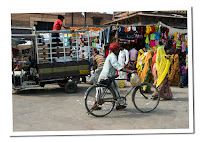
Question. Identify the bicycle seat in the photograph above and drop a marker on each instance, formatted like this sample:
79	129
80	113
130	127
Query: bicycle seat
106	81
113	77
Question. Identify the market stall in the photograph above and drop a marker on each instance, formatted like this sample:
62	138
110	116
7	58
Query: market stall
145	36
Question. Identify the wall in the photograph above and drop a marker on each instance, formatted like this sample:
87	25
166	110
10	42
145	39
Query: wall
30	19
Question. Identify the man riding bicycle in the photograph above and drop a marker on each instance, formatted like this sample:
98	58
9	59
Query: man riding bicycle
112	65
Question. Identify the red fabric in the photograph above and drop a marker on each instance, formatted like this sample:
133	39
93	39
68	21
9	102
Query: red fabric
114	46
141	30
167	31
152	28
57	25
154	58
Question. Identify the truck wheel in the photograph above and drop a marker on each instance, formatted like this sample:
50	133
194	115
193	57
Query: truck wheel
62	83
70	87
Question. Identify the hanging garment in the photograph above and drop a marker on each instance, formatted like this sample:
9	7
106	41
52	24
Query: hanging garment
157	37
183	38
175	36
148	29
152	36
178	44
156	28
167	31
183	46
108	35
156	42
152	29
152	43
147	40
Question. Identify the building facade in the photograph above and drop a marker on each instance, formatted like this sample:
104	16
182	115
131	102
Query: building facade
44	21
172	18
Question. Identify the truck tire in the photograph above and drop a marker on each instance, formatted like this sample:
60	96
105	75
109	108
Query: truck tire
70	87
62	83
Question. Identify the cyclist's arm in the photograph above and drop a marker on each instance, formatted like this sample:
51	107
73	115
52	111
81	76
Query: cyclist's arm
128	71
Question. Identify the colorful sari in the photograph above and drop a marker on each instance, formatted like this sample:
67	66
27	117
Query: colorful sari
146	74
162	67
153	66
174	78
140	60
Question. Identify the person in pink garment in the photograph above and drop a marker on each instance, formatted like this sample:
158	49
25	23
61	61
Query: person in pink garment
133	53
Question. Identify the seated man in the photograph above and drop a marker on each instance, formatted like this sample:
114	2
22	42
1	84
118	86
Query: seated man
112	65
98	63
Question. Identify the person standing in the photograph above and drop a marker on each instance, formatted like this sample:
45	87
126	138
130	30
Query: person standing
98	62
174	78
133	53
146	75
153	66
184	80
163	62
140	60
110	67
58	24
123	60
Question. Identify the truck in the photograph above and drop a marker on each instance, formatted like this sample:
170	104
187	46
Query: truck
61	57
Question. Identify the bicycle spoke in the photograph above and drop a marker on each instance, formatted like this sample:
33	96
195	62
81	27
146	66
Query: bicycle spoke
142	99
99	101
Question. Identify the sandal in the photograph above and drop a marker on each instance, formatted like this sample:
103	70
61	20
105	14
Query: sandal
120	107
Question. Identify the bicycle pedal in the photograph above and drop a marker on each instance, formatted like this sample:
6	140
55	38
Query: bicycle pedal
88	113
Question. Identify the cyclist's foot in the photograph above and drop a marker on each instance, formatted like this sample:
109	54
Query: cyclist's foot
120	107
96	107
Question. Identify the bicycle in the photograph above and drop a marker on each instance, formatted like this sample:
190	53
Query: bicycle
103	96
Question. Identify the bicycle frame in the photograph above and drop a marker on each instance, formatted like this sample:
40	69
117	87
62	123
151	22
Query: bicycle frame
115	85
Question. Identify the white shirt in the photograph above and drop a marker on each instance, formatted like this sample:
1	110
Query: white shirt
123	57
110	67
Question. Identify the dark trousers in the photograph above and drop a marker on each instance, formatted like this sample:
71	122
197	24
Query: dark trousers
184	80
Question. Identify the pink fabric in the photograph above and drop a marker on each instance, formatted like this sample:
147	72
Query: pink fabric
183	46
156	42
133	54
152	43
154	71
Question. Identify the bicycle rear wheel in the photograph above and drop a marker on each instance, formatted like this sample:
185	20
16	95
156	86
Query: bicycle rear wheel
142	97
99	100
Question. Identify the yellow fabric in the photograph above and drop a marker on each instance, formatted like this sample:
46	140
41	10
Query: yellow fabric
162	65
148	29
175	36
146	67
140	57
121	83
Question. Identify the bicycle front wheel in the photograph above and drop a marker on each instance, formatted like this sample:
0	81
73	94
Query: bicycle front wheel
142	97
99	100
